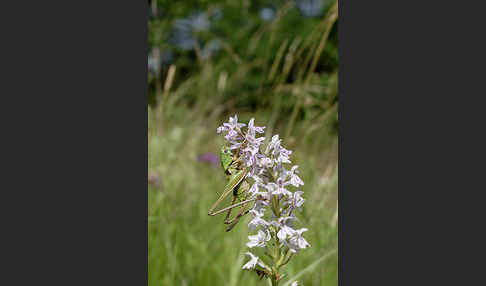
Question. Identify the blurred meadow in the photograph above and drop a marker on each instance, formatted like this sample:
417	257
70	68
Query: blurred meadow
276	61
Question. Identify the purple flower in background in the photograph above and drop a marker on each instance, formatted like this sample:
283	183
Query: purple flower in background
209	158
154	179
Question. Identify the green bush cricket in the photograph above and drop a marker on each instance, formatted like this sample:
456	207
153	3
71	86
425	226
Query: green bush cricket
236	174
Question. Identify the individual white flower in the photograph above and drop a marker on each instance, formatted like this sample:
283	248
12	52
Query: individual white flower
250	155
231	127
249	159
299	239
271	188
235	144
294	179
253	190
258	239
280	154
273	144
286	229
252	151
220	129
257	213
251	134
297	201
232	135
260	204
233	123
252	129
296	242
265	162
257	219
283	155
258	183
254	260
295	283
279	188
284	232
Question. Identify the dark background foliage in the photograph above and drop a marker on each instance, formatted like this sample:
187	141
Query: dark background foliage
236	35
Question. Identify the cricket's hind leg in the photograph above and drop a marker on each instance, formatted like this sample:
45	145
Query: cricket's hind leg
232	222
229	211
235	220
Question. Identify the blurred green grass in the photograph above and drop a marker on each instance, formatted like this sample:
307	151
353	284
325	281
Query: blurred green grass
282	89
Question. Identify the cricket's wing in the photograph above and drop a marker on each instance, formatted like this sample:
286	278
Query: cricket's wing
236	180
233	182
242	191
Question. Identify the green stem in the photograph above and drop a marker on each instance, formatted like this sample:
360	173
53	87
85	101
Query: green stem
274	280
277	256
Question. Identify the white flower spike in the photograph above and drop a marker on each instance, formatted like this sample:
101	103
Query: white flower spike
271	189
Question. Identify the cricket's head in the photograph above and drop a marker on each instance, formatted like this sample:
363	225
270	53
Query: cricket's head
226	157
